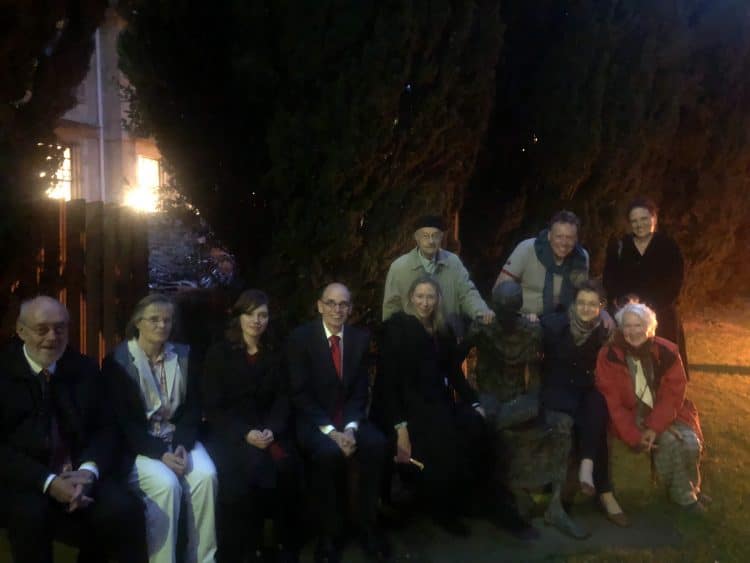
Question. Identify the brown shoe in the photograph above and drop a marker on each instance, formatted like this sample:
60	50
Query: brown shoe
696	507
587	489
618	519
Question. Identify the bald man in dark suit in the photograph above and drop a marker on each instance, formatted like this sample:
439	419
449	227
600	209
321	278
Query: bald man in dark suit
58	449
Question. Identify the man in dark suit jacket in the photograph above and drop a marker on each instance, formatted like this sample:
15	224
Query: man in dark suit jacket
330	382
57	449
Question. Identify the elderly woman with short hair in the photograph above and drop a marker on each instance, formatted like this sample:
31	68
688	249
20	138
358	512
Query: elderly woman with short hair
155	391
643	381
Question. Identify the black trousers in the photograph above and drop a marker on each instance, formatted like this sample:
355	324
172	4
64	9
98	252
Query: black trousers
240	519
331	475
452	441
590	426
588	408
112	526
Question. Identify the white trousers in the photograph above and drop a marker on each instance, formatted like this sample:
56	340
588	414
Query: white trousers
162	491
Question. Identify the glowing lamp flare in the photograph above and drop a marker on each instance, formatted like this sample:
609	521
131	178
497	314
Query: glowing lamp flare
144	196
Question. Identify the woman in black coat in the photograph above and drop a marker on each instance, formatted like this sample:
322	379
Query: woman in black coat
415	394
248	413
647	265
572	341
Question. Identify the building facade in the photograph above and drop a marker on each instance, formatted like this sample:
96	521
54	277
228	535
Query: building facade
103	161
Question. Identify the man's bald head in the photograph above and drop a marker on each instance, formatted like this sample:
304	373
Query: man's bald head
335	286
43	326
334	306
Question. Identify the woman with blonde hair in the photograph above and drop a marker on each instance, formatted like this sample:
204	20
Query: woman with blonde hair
421	372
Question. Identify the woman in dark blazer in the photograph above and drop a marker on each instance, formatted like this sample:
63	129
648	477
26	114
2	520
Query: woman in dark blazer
647	265
415	395
572	341
247	408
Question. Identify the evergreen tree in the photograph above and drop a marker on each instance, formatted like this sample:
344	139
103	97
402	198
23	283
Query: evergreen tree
600	101
311	134
45	48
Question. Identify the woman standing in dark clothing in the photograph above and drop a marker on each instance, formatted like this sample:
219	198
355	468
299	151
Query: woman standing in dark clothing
648	265
571	344
247	407
420	372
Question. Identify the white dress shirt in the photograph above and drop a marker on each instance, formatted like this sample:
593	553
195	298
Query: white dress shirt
354	425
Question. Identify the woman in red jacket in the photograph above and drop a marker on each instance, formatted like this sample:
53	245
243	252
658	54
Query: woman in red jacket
643	381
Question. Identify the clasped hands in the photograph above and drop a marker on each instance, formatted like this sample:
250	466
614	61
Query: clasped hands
73	488
344	440
261	439
178	461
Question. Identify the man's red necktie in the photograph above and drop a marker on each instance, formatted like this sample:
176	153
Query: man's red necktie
338	415
336	353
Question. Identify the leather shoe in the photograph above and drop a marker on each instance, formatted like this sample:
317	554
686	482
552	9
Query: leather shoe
587	489
287	555
618	519
696	507
375	544
526	533
452	524
326	551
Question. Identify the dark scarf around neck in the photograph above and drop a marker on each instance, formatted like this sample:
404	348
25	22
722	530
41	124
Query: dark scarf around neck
580	329
573	262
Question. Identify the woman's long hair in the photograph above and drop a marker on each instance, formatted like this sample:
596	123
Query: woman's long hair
247	302
437	322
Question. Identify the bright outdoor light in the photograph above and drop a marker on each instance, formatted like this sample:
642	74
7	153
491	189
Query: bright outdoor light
61	182
144	196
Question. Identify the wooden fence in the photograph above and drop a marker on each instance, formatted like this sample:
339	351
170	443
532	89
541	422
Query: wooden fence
92	256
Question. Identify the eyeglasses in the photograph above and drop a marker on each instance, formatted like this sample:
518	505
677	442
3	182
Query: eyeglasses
153	321
430	237
41	330
340	305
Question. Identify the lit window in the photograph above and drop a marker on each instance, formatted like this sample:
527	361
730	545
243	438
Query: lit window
144	196
61	183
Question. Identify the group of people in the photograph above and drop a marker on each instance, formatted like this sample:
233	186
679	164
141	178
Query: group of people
162	457
631	377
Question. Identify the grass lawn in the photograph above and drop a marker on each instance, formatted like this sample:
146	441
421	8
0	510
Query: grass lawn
719	342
